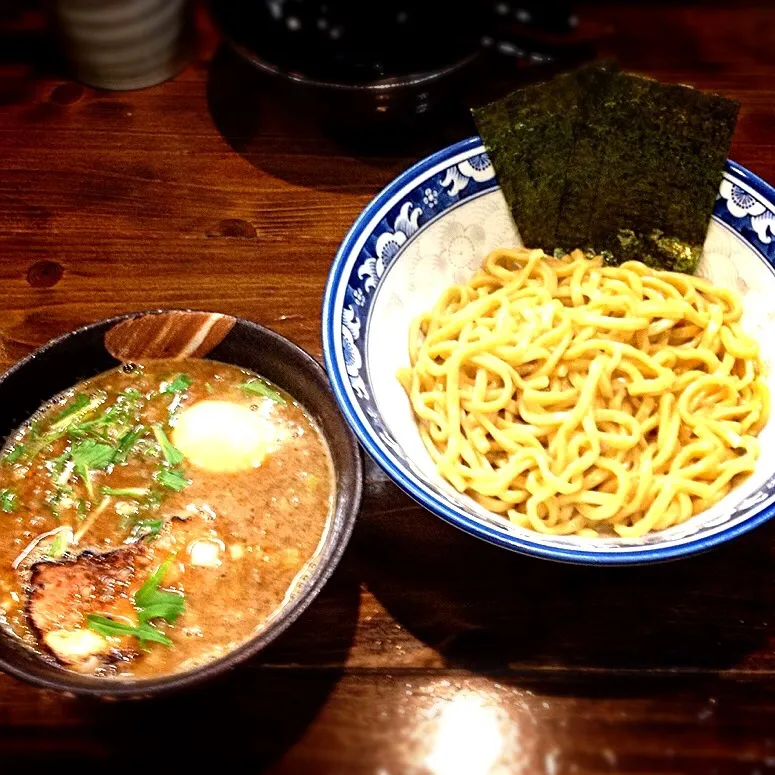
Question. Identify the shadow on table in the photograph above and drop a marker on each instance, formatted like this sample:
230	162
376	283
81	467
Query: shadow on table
282	135
487	609
28	51
251	716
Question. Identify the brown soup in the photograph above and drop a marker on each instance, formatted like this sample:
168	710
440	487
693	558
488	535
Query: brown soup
155	517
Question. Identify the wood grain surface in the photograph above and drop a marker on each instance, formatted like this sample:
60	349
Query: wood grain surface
428	653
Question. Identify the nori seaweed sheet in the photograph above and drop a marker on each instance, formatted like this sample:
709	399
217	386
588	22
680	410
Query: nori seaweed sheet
574	225
611	162
659	176
530	136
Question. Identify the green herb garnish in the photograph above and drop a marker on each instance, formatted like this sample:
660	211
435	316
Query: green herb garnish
8	500
60	427
147	528
172	454
258	387
14	454
151	603
126	443
81	400
68	419
180	384
126	492
154	603
59	544
90	455
80	508
119	414
172	479
144	632
57	464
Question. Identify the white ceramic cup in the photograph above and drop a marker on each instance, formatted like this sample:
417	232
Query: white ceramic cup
125	44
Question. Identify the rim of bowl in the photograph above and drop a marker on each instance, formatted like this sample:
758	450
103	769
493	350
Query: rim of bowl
424	496
376	86
133	688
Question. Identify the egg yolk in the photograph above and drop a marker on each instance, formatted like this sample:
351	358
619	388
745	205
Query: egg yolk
223	437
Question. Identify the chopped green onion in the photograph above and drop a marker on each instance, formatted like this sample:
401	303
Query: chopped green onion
153	603
125	492
68	419
260	388
92	454
144	632
180	384
127	442
172	479
8	500
60	427
81	400
172	454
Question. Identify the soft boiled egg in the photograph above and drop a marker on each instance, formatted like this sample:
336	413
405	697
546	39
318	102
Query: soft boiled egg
224	437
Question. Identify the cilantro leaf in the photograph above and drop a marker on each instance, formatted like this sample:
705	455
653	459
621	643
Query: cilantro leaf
180	384
8	500
172	479
259	387
172	454
154	603
144	632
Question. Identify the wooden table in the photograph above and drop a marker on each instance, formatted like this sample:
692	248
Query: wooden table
428	651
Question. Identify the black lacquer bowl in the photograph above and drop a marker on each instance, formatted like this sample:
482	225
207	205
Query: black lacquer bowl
95	348
377	66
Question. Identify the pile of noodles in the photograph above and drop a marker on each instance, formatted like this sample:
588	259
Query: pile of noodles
577	398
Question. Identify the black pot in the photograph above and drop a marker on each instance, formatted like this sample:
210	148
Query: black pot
82	354
364	96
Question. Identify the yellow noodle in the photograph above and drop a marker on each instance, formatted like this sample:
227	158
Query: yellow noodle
575	398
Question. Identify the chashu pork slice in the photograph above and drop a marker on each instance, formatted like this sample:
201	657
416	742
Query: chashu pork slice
62	594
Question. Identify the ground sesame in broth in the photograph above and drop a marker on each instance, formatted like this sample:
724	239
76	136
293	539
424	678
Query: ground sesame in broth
231	498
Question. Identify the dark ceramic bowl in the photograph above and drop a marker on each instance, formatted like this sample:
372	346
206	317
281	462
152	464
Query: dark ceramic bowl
88	351
397	100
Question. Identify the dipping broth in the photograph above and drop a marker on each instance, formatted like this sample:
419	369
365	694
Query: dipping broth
154	518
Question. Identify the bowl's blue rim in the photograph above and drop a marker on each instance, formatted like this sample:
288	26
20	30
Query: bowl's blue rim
468	525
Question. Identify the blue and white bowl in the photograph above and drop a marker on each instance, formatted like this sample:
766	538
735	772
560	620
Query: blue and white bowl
432	227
